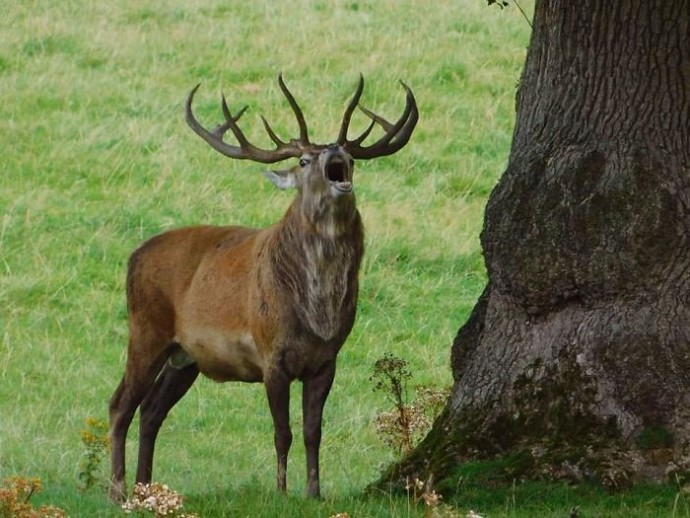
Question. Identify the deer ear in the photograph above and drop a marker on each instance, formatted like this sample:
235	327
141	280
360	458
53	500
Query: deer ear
283	179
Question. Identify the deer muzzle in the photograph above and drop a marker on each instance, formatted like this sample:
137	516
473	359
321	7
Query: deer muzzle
338	168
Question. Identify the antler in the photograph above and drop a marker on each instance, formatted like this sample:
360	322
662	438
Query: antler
396	135
284	150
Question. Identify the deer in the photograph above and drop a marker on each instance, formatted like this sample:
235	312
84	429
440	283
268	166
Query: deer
270	305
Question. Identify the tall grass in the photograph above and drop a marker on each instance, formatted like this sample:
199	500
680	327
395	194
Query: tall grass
96	157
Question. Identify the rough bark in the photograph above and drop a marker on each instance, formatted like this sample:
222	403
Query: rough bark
576	357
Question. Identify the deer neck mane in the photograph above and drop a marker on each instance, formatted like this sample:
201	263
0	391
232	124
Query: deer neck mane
327	217
316	263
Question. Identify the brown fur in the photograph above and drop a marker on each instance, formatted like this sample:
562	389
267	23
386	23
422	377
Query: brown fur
239	304
255	305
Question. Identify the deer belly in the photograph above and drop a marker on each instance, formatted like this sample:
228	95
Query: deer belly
221	356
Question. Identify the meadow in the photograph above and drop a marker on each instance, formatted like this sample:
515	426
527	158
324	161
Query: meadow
96	157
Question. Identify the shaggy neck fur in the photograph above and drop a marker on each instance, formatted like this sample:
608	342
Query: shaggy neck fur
317	260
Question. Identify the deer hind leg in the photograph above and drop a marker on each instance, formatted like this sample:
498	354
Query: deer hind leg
145	358
314	394
278	393
172	384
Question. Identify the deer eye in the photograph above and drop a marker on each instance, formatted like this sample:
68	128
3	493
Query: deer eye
304	161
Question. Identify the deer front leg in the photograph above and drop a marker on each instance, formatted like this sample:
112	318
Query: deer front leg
278	392
314	396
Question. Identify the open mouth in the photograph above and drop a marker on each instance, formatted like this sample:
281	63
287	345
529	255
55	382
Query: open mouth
338	172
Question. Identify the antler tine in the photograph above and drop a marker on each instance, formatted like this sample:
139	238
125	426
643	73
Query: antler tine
342	135
364	134
230	121
396	136
303	132
245	150
387	126
278	142
219	130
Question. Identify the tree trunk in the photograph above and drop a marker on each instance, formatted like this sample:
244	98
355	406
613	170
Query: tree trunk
576	358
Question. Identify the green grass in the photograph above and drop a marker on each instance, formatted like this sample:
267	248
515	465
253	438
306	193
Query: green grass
96	157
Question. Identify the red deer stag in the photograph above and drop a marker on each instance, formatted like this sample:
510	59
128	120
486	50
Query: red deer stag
257	305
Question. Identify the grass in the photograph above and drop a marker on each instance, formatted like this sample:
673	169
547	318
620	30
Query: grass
97	157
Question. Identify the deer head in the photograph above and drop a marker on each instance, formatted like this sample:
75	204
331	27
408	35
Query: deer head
325	171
